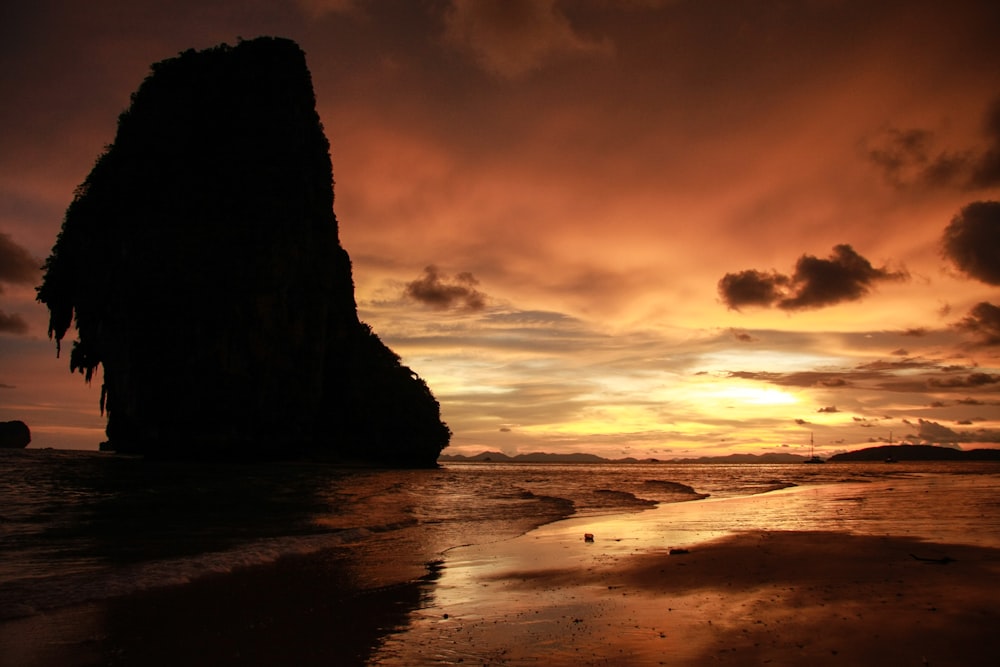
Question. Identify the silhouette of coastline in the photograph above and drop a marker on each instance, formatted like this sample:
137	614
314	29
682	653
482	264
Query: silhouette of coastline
201	262
900	452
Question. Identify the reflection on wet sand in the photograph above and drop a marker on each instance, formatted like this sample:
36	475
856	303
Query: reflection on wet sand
794	595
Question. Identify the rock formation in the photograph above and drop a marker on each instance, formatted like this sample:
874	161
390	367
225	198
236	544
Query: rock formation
14	435
201	262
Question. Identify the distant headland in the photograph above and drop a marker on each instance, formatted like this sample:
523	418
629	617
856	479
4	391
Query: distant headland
201	263
917	453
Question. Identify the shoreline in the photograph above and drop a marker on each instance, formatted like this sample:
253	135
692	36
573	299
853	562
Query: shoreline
758	583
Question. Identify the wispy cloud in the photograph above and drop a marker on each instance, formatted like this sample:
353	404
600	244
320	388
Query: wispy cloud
17	266
513	37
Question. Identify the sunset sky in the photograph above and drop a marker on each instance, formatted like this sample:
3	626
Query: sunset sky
629	227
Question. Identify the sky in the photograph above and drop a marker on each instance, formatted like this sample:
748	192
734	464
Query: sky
640	228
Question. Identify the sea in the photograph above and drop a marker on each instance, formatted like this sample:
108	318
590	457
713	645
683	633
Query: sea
78	527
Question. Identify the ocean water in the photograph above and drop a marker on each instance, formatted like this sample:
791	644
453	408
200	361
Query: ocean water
86	526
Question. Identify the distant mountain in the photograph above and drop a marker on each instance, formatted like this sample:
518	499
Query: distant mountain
745	458
540	457
535	457
917	453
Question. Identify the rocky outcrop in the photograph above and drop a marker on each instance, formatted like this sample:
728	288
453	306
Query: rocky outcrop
14	435
201	262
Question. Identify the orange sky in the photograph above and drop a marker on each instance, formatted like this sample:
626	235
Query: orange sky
626	227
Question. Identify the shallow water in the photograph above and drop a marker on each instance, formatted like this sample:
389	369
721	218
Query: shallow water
79	526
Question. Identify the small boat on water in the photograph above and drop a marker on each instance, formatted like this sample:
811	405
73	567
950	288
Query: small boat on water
891	458
812	451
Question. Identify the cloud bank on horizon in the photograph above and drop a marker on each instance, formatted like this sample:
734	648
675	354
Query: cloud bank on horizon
646	228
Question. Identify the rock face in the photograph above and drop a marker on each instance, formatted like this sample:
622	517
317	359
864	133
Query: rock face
201	262
14	435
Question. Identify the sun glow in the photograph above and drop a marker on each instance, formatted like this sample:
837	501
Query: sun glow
758	395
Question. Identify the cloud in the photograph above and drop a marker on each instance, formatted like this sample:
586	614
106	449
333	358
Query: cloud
320	8
972	241
933	432
752	288
970	401
742	336
829	408
904	158
843	276
986	172
12	323
17	266
983	322
513	37
971	380
907	158
442	292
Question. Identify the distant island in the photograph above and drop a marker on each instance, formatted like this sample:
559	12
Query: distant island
201	265
882	453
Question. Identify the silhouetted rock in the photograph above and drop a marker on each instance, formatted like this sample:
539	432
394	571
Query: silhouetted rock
201	262
14	435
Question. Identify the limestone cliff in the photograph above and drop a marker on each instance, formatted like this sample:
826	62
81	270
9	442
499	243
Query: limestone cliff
201	262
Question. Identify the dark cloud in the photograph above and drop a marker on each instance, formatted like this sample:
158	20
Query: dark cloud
933	432
972	241
986	171
908	158
983	322
12	323
442	292
752	288
17	266
901	352
829	408
905	158
801	422
843	276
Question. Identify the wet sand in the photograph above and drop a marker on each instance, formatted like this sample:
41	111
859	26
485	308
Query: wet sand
755	598
752	596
